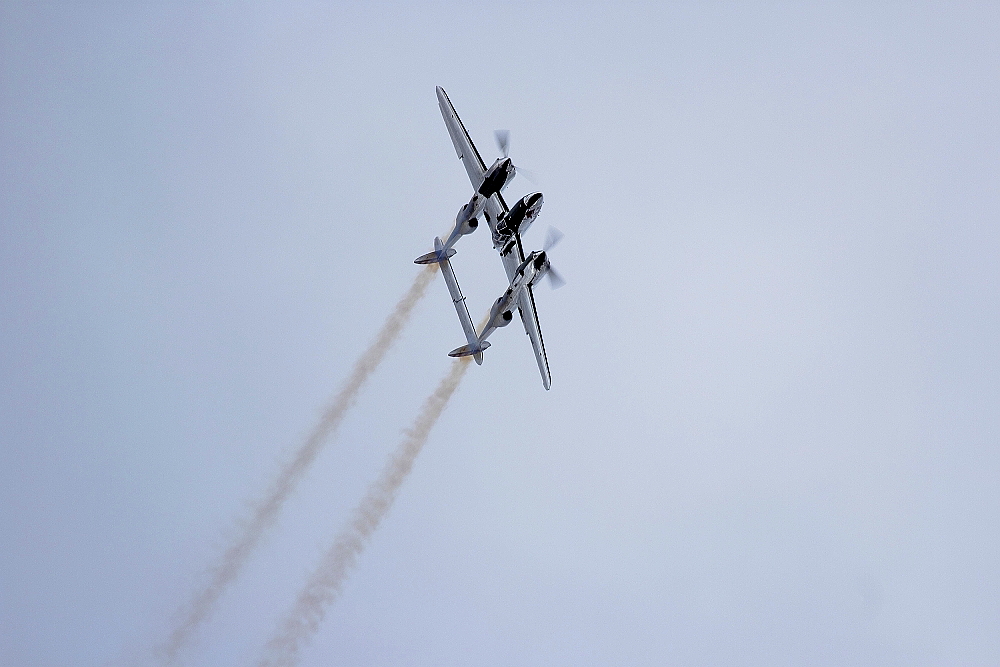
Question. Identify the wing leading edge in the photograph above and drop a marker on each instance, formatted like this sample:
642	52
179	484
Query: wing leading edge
496	208
466	150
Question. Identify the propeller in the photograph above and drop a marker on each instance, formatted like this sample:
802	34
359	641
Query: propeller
503	141
555	278
552	239
503	144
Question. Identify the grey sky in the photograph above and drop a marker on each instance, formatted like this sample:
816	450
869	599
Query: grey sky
772	432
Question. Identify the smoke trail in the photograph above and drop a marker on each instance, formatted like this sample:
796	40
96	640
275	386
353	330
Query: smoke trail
326	581
265	512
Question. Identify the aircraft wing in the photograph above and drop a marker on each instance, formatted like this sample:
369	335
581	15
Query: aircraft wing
466	150
496	208
525	302
529	318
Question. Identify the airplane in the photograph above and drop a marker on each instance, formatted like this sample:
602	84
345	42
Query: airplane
506	225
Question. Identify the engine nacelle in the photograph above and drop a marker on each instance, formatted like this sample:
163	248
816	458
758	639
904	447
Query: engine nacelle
465	226
497	318
466	221
539	260
497	177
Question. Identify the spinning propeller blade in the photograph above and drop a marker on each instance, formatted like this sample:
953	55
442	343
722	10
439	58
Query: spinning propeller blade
503	144
503	141
530	175
555	278
552	239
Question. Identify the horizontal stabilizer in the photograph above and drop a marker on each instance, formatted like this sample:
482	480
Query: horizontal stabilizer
467	351
434	257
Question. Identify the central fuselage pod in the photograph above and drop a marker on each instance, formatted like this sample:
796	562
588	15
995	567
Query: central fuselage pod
521	215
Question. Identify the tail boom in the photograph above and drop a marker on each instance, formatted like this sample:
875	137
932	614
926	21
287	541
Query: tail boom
474	347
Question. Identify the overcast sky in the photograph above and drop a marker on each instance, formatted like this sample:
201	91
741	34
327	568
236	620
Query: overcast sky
771	437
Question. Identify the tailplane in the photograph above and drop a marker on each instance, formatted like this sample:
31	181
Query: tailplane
435	256
469	351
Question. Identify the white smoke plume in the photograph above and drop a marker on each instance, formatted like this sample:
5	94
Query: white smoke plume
265	512
326	582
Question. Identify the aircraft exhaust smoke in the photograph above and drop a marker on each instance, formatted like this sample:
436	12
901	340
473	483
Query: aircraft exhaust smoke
265	512
325	584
